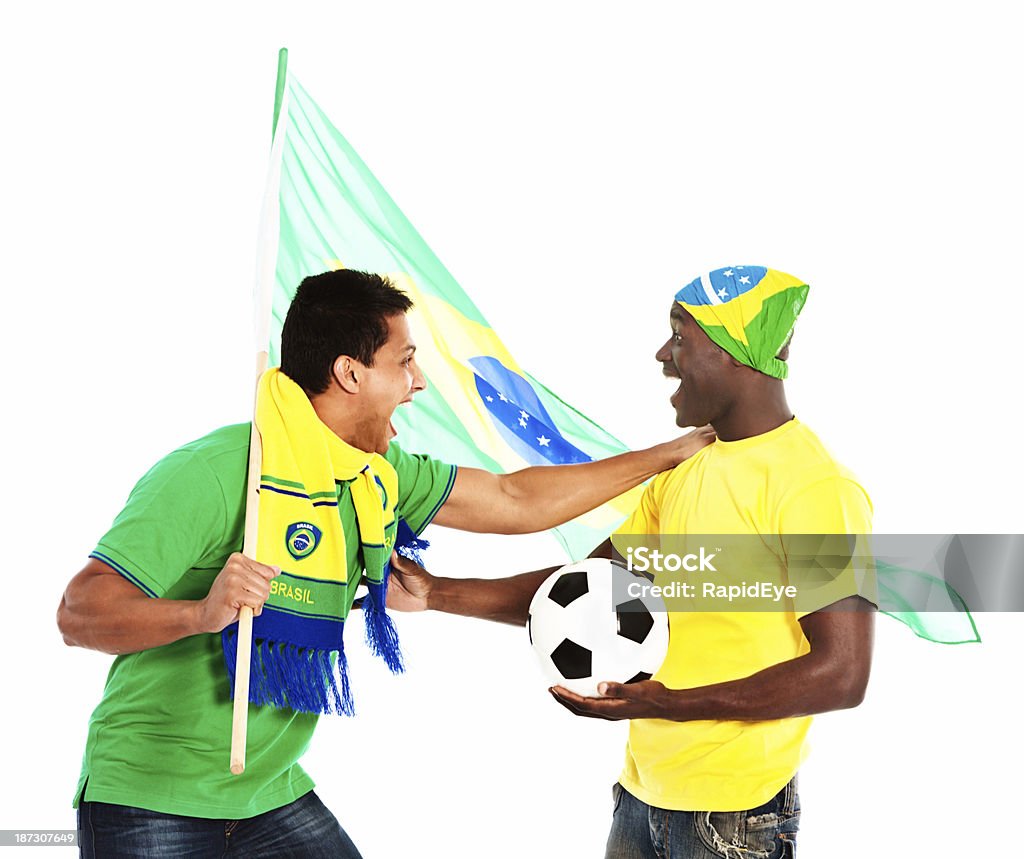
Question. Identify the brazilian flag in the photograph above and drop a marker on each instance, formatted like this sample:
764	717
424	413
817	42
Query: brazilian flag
325	209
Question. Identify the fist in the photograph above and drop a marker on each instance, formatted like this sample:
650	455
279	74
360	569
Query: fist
410	585
242	582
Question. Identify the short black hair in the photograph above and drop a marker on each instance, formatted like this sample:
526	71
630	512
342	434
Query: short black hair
336	313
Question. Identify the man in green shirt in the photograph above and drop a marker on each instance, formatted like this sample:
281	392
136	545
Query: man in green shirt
168	577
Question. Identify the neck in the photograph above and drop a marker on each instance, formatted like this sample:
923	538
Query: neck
757	411
338	420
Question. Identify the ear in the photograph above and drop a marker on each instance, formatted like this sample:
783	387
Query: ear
347	373
784	351
730	361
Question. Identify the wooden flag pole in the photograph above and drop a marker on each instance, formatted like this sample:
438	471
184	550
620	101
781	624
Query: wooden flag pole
264	289
240	720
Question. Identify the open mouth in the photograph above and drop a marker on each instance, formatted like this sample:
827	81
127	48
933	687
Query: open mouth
391	423
670	371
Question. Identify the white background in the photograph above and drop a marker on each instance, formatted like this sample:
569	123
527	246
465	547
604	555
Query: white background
573	164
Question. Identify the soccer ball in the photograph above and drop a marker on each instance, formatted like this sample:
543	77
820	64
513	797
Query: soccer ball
585	627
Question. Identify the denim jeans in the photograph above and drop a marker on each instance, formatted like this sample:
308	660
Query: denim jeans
640	831
304	829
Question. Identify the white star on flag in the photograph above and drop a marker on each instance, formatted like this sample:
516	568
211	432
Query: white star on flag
523	414
522	422
722	293
744	280
489	398
727	272
542	441
503	398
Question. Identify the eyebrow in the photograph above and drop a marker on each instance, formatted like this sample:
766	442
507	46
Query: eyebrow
409	348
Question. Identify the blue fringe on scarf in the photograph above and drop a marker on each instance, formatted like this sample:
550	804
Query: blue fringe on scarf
304	679
408	545
381	635
283	675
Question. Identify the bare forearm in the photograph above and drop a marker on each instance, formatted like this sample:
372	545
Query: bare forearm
546	496
125	624
833	676
798	687
103	611
502	600
538	498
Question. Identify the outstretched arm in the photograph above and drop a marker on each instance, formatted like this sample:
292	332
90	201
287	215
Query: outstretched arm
542	497
833	676
505	600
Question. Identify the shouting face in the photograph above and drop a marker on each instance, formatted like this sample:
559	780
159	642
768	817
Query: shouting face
701	367
392	380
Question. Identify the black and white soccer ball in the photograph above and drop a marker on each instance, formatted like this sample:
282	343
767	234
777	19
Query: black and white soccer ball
585	627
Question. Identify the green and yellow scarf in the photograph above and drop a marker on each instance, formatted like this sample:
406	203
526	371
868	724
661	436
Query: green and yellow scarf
298	657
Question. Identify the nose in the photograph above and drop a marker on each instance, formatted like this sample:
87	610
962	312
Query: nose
419	381
664	354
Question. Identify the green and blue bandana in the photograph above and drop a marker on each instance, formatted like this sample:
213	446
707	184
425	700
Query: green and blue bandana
749	311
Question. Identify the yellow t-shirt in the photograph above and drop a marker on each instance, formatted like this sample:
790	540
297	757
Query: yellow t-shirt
781	482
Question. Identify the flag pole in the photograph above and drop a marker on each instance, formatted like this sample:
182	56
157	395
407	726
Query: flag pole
264	287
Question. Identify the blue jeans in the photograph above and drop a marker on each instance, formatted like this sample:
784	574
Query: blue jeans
640	831
304	829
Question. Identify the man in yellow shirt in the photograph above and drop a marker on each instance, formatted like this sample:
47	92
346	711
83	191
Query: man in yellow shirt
717	735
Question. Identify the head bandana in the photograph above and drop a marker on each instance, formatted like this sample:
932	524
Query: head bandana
749	311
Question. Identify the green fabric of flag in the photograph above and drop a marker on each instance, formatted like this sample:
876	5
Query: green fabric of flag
481	408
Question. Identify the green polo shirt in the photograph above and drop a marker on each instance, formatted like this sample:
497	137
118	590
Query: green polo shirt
160	738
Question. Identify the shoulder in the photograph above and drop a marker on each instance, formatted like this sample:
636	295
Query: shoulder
220	456
673	479
411	463
668	483
221	449
395	454
424	485
186	511
229	441
809	461
816	484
